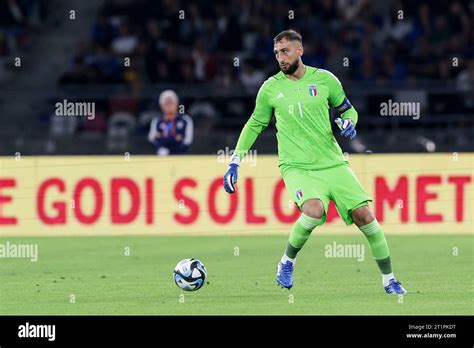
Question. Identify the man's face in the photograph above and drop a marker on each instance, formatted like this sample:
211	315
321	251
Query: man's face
288	54
169	106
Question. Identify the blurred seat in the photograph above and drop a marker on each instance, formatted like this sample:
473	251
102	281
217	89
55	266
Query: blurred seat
120	127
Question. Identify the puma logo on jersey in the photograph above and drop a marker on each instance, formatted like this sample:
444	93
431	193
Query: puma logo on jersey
280	95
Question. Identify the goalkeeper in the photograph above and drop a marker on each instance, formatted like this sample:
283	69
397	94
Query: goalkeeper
310	160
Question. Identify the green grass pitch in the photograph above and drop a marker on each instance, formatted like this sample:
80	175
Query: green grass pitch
92	275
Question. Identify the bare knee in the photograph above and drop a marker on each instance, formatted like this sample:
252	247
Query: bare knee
362	216
313	208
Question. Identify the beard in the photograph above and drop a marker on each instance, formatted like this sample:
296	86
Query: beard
291	68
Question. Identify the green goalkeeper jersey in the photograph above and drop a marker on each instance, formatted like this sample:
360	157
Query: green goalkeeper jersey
301	108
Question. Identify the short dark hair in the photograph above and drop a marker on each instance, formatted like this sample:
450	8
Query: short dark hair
290	35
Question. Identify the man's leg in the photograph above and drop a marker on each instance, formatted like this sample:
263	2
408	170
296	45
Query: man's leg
311	216
351	201
367	223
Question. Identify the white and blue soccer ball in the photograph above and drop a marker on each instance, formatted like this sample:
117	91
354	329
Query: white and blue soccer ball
190	274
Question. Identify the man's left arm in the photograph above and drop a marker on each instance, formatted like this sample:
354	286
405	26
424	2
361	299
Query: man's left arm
338	100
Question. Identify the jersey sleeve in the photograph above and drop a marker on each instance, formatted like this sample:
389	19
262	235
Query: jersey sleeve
338	100
256	124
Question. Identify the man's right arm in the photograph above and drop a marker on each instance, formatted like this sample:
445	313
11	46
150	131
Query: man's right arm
255	125
152	134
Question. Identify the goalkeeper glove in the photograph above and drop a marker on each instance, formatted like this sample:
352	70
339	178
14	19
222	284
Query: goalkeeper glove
347	127
230	178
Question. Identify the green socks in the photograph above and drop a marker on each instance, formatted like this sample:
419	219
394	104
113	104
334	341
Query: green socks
372	231
378	246
300	234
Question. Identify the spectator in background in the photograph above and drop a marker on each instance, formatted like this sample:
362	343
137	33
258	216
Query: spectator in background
12	20
171	133
103	32
226	77
465	84
77	74
194	50
250	76
106	66
125	43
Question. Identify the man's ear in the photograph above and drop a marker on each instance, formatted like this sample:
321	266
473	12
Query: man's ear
300	50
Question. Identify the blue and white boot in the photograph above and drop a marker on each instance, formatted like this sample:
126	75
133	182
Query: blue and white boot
285	274
395	287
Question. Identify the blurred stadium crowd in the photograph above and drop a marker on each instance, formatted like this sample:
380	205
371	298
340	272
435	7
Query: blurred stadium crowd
18	19
200	43
227	46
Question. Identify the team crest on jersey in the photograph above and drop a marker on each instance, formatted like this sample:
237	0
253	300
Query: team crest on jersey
299	194
312	90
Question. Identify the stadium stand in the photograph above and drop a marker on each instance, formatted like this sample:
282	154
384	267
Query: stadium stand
217	55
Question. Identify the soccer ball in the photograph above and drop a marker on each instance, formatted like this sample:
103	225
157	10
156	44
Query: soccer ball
190	274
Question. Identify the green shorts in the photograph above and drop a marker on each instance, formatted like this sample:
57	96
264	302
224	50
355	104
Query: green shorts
338	184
